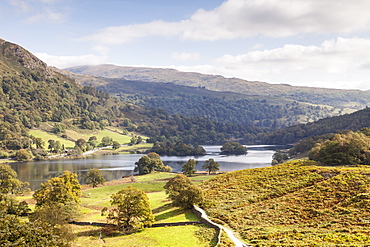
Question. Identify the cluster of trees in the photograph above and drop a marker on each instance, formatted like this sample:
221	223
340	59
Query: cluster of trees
183	192
210	165
56	205
131	209
289	135
47	226
150	163
349	148
178	148
279	157
233	148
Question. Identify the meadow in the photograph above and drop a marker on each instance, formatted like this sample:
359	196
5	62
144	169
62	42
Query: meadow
95	199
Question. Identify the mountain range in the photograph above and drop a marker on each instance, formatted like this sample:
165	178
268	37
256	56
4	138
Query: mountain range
352	99
31	93
220	99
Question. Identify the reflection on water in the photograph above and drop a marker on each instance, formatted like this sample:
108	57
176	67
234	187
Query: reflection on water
117	166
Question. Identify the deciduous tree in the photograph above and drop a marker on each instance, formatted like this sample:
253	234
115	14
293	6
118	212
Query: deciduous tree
211	166
9	184
183	192
188	168
343	149
131	209
64	189
17	232
116	145
23	155
94	177
150	163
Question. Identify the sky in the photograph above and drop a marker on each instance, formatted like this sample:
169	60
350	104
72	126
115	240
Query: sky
315	43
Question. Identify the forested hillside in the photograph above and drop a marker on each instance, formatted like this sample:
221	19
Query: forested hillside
255	110
31	93
354	121
353	99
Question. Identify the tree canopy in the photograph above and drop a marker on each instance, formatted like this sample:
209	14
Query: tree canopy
150	163
183	192
63	189
233	148
188	168
17	232
131	209
211	165
343	149
9	184
94	177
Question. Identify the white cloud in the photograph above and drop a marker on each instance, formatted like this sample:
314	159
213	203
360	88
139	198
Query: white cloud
70	61
21	5
242	18
340	63
184	56
47	16
36	11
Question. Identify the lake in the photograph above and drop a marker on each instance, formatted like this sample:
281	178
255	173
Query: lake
117	166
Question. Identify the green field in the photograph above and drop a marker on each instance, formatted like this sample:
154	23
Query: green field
48	136
85	134
95	199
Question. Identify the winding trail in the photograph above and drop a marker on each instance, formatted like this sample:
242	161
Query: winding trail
237	242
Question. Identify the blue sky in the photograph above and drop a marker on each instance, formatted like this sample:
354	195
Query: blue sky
318	43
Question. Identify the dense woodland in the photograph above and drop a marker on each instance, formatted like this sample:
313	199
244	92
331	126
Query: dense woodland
262	111
292	134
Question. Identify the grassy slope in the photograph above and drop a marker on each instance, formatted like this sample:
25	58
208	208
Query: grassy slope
48	136
75	135
93	200
294	204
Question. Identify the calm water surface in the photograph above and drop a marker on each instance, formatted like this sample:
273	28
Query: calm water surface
116	166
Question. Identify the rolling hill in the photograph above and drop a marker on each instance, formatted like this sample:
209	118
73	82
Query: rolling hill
293	204
32	93
352	99
254	110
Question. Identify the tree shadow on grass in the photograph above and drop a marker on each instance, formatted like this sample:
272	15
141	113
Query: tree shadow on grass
89	233
168	211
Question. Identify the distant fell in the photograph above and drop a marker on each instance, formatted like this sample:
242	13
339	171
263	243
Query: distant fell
255	110
354	99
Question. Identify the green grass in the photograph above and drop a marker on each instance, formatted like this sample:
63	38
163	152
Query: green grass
122	139
86	134
47	136
75	135
155	176
184	236
95	199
